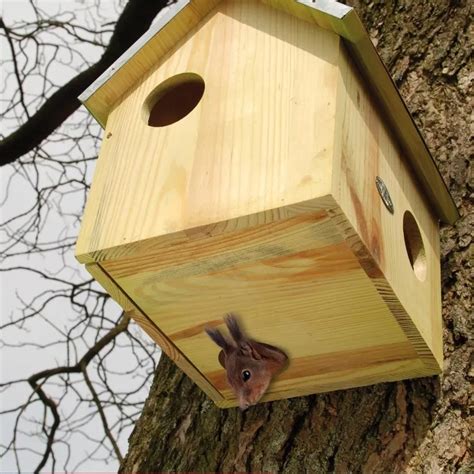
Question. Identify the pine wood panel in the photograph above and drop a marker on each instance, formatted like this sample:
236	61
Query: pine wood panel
120	296
364	149
259	139
397	117
163	246
247	239
296	283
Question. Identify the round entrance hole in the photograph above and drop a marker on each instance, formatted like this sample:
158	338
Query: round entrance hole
414	245
173	99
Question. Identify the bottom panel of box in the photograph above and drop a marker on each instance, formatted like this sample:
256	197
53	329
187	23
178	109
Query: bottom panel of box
297	279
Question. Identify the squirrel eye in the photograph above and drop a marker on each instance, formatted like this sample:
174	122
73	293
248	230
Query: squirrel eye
246	375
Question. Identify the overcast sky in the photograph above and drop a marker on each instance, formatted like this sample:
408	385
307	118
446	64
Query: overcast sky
16	285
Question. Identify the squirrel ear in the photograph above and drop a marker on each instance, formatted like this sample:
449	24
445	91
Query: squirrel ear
234	329
218	338
266	351
222	358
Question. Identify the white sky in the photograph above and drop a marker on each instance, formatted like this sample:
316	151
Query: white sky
19	363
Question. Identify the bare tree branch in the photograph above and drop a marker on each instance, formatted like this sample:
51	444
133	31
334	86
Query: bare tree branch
68	405
81	366
100	409
134	21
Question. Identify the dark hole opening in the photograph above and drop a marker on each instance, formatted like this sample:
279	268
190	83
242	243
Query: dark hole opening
414	245
174	101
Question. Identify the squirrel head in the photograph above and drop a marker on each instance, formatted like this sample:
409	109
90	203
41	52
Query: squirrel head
250	365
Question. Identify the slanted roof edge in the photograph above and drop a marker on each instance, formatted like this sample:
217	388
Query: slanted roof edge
155	28
344	21
329	7
370	65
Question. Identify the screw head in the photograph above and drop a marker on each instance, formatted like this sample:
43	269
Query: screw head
384	194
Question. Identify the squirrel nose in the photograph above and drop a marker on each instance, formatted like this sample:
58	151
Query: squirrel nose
244	406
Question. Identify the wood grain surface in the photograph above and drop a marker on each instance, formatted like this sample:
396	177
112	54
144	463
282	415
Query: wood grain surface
365	148
262	201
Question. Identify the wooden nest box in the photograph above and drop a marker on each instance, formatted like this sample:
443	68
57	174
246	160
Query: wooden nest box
258	159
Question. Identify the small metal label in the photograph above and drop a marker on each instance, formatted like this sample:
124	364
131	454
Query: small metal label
384	194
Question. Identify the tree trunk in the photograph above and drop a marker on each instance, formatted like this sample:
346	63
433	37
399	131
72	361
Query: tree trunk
417	425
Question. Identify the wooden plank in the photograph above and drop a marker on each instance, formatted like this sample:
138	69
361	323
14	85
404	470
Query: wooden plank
180	18
250	145
227	245
364	149
296	284
161	246
121	297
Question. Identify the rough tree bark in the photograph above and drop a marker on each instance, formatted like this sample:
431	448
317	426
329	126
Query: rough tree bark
412	426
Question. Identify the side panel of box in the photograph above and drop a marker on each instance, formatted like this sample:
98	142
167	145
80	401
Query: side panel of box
116	292
365	149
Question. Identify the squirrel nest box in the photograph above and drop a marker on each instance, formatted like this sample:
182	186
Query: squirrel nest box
258	159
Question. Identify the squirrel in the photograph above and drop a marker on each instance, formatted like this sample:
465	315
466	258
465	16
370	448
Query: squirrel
250	365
